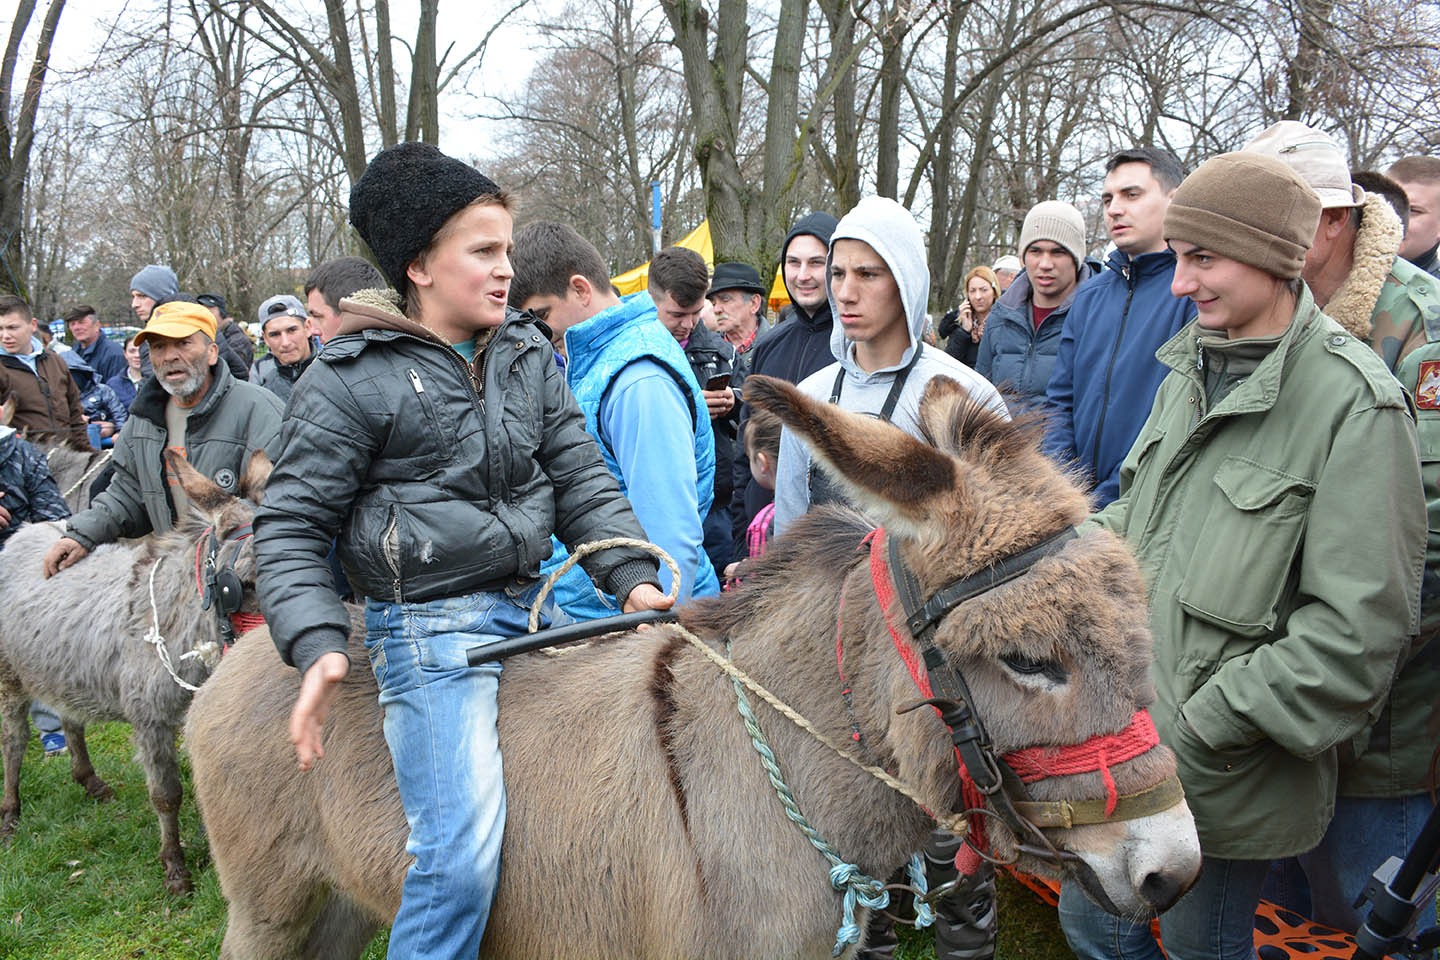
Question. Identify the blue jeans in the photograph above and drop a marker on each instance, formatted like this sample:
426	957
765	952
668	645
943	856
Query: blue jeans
1363	834
440	725
1215	920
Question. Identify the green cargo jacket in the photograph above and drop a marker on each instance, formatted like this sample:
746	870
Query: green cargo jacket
232	421
1282	539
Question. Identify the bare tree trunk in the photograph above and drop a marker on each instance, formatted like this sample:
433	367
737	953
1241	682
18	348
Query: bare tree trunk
744	217
887	160
423	118
843	167
1312	18
385	66
15	143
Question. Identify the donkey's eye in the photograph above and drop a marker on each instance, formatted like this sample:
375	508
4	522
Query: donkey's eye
1026	667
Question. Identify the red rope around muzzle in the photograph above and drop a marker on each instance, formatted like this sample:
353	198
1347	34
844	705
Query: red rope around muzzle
1099	753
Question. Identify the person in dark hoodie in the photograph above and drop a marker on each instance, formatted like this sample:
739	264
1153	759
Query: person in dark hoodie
444	476
1022	334
797	346
1105	375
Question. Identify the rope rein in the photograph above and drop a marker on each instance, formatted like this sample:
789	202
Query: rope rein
857	888
104	459
206	653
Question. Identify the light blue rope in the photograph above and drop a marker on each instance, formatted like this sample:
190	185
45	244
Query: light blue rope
924	913
856	888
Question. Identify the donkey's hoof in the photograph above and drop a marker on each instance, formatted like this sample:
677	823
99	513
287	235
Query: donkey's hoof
177	879
97	789
8	822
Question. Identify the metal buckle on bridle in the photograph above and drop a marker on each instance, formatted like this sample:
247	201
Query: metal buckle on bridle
219	583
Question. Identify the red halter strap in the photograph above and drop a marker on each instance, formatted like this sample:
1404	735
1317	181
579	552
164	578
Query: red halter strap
1032	763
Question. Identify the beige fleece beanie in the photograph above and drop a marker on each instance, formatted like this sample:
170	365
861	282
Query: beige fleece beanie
1248	207
1058	222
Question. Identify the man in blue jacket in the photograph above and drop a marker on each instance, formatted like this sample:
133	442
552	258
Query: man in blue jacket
1022	334
640	399
1106	374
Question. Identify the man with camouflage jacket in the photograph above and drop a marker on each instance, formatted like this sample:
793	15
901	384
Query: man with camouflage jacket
1387	302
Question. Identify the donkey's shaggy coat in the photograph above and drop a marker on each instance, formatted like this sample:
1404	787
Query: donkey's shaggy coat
641	824
76	642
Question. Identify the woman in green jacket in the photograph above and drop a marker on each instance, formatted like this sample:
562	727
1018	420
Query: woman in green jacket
1273	500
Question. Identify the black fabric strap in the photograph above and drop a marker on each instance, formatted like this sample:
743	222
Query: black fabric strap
897	385
921	618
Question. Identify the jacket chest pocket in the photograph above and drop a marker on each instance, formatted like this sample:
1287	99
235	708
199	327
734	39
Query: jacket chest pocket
1251	534
441	432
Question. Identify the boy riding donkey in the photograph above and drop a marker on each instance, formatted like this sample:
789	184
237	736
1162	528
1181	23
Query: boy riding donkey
437	438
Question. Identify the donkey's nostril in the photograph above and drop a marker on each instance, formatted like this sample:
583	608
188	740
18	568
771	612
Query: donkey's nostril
1161	890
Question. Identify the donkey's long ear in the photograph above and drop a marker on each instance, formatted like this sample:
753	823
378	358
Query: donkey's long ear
257	472
203	494
7	411
892	476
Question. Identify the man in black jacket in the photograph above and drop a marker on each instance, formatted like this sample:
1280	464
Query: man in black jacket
427	437
798	345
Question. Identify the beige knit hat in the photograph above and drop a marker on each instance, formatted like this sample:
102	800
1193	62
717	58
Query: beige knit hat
1058	222
1248	207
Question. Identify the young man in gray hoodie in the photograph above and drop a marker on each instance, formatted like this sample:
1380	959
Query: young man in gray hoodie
879	286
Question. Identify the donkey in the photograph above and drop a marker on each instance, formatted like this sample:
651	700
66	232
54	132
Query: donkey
74	471
77	642
641	823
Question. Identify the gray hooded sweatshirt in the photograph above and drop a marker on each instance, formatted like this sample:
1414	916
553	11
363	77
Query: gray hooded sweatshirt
893	233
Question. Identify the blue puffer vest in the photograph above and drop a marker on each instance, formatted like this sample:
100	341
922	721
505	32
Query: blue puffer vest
598	349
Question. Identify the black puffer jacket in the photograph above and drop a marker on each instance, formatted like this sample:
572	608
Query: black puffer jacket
797	346
434	491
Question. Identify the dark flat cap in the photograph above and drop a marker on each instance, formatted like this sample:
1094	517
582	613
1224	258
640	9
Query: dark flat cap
736	276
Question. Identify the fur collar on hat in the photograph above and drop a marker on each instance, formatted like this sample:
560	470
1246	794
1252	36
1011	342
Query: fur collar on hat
1376	245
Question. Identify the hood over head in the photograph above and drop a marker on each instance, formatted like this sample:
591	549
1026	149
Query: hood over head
893	233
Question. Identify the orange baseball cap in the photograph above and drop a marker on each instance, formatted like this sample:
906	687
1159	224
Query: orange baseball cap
177	320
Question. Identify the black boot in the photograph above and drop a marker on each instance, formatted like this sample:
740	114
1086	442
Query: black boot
880	938
964	917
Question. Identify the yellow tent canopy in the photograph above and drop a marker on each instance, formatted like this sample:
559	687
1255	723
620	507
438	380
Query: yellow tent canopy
632	281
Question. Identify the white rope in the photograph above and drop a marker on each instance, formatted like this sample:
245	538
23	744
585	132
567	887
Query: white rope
104	459
584	550
205	652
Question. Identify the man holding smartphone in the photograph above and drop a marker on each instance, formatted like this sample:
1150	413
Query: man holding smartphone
678	284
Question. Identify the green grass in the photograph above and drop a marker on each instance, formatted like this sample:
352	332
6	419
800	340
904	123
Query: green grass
82	880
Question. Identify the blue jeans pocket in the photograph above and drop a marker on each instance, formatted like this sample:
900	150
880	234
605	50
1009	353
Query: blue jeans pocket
376	633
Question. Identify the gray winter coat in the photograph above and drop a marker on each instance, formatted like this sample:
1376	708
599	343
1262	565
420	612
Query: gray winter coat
232	421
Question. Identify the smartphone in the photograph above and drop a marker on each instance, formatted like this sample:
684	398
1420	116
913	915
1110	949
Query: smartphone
718	382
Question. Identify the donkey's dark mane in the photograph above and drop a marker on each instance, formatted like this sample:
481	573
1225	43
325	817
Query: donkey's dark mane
821	544
973	431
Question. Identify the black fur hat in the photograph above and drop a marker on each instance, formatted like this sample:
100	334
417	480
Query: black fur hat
405	196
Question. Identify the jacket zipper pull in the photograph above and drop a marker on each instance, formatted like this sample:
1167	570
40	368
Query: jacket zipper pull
415	381
1199	356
